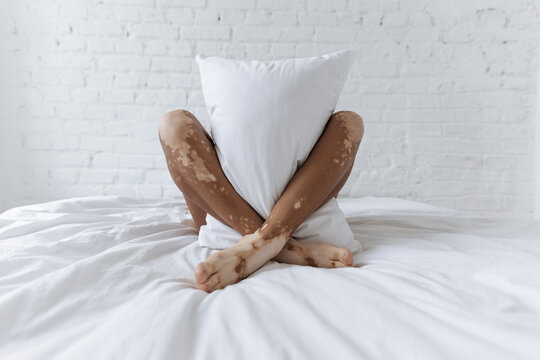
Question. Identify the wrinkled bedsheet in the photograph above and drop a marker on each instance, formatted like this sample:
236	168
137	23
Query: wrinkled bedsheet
111	277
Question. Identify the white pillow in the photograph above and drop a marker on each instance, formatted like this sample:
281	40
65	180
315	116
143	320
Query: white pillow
265	117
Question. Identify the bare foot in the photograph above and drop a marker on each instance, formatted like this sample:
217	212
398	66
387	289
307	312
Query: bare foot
238	262
317	254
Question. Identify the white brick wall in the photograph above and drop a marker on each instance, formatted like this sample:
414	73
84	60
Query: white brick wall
447	90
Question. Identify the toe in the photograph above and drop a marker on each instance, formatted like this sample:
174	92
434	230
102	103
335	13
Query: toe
342	258
337	264
348	257
202	272
212	283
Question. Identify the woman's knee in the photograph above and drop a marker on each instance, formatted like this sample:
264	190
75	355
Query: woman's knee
351	123
177	125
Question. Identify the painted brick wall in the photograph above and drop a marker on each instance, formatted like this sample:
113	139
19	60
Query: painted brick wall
447	90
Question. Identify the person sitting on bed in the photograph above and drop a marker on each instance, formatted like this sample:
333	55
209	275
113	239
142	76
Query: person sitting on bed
195	169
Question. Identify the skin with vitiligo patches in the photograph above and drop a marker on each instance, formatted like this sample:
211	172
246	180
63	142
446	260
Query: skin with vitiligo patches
298	204
239	269
247	224
193	160
301	252
190	158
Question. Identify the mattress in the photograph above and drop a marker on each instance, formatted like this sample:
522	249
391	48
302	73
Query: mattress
112	278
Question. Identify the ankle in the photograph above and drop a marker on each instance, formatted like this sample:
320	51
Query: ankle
272	230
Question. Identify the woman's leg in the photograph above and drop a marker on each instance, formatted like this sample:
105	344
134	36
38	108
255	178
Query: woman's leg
196	171
314	183
317	253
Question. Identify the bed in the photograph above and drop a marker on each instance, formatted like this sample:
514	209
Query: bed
111	277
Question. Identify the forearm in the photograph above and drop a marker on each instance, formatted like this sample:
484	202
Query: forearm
299	200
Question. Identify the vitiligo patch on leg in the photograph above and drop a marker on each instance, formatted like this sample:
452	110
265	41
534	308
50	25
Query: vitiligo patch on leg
310	261
279	231
298	204
256	244
191	159
239	269
315	254
201	172
348	144
245	257
302	253
188	156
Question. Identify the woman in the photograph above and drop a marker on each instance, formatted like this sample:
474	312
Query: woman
195	169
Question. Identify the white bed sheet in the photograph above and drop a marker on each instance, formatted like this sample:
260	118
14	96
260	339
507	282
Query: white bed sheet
112	278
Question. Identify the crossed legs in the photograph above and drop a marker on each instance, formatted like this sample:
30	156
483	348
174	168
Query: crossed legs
195	169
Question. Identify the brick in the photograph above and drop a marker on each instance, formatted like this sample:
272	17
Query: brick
258	18
182	16
72	78
98	27
378	70
279	4
255	33
123	63
117	96
155	31
432	130
326	5
284	18
105	160
317	18
134	2
336	35
127	81
156	176
136	147
57	94
71	43
97	143
231	17
231	4
97	176
427	145
395	19
125	13
171	64
296	34
99	80
383	101
137	161
205	32
64	176
63	61
130	176
458	34
127	46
